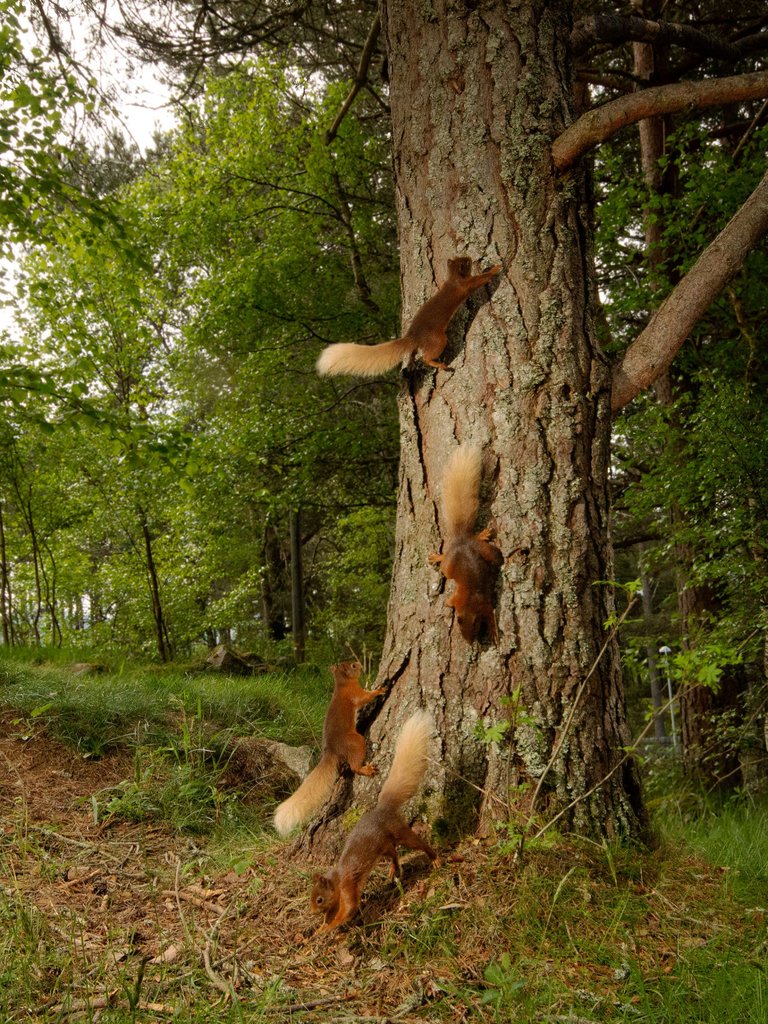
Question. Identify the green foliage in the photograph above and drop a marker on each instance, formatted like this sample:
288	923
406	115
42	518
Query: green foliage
690	473
504	984
166	417
494	732
178	784
41	94
356	580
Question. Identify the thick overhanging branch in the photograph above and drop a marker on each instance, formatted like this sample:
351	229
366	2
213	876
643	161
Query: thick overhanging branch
617	28
654	348
601	123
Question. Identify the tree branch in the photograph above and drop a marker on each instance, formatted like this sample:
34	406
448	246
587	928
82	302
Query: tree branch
361	79
654	349
616	28
601	123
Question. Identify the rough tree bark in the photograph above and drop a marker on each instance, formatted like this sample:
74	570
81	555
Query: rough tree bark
164	648
477	96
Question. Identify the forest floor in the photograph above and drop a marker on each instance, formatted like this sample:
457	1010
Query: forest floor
107	920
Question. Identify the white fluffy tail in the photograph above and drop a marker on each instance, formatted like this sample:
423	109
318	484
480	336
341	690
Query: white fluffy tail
461	490
362	360
309	797
409	763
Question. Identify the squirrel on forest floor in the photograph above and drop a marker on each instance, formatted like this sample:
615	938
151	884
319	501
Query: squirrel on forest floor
342	743
426	334
472	561
379	832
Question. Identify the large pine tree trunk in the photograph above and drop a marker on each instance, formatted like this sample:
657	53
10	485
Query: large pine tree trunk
478	92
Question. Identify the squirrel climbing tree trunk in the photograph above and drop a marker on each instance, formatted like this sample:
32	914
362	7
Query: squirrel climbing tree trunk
476	102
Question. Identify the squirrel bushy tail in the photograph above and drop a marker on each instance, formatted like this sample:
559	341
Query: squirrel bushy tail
363	360
309	797
409	763
461	490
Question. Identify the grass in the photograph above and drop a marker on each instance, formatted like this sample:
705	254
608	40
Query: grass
102	711
576	932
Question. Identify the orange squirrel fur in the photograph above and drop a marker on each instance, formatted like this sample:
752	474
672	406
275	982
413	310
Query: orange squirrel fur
470	560
379	832
342	743
426	334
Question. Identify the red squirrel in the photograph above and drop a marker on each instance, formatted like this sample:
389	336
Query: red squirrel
342	743
426	334
471	561
379	832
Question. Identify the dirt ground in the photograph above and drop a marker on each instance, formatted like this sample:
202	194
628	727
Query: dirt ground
135	907
116	921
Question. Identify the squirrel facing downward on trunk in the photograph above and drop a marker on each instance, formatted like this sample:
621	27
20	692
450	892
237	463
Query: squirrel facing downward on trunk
379	832
470	560
426	334
342	743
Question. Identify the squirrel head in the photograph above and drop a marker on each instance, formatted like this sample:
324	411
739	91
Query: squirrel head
473	614
469	624
325	895
346	670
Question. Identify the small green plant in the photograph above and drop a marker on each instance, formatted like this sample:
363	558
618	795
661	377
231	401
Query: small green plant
518	715
177	782
504	983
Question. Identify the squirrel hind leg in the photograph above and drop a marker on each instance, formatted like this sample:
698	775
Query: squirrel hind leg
437	365
355	756
413	841
394	867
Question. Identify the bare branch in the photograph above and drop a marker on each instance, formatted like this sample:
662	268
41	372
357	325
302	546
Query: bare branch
361	79
601	123
652	352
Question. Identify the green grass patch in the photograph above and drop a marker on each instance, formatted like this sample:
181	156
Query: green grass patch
98	711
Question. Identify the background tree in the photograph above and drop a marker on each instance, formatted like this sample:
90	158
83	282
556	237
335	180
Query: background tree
195	343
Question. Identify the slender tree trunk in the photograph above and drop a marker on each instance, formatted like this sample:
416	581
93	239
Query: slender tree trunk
6	597
51	601
657	700
27	506
297	589
478	92
161	632
273	586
